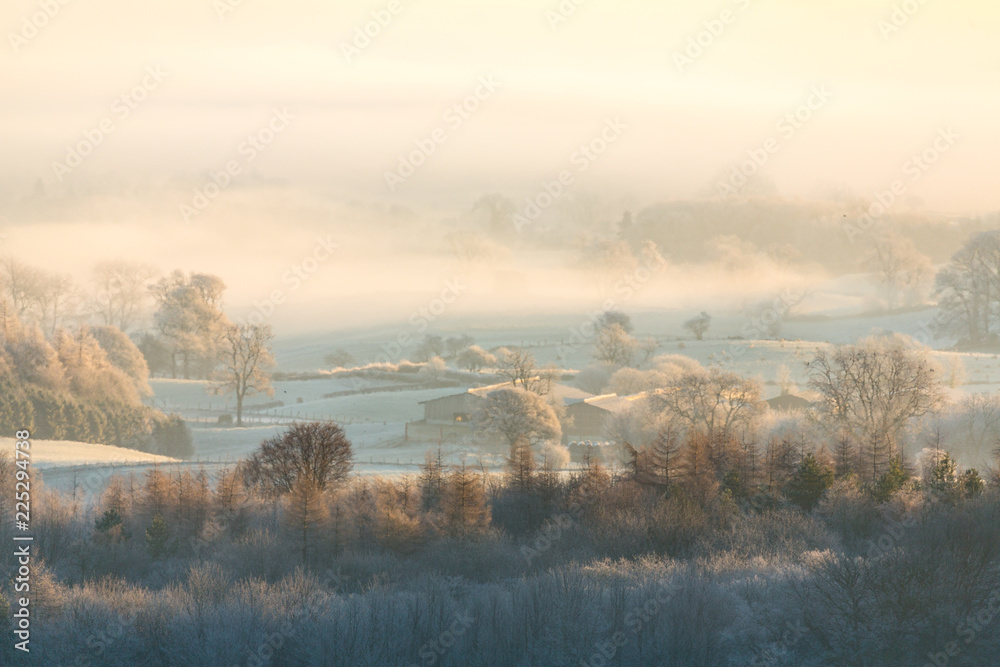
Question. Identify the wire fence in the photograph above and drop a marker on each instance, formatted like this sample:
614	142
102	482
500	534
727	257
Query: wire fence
211	413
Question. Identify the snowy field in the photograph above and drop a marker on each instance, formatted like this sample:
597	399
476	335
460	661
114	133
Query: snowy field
374	412
60	453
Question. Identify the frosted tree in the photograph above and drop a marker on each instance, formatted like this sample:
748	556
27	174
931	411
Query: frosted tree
899	269
319	451
48	300
475	359
190	320
432	480
120	292
89	371
246	361
517	366
58	301
968	289
465	508
339	358
455	344
712	402
123	354
20	284
699	324
615	346
519	416
611	317
873	389
305	514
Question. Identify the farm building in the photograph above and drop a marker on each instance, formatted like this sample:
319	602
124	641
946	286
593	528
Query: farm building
586	414
458	408
788	403
587	418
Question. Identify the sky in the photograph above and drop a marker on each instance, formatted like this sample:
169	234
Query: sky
170	93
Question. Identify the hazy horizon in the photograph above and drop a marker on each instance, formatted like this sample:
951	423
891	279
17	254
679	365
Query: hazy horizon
211	77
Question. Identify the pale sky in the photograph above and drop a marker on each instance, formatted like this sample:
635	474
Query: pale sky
892	93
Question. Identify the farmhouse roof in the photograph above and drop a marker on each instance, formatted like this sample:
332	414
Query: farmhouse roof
563	392
788	402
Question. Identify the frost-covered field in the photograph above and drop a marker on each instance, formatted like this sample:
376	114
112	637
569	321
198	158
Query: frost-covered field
60	453
375	421
178	394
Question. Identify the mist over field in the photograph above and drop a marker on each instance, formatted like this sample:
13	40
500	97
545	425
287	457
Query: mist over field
544	332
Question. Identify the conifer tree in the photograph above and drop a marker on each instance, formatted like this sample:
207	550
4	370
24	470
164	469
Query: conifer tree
465	508
157	534
305	514
432	481
521	466
809	483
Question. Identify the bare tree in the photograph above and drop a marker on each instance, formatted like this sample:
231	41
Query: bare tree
315	450
339	358
698	325
58	301
871	390
899	269
120	292
431	346
518	415
658	464
968	289
617	347
610	317
475	358
49	300
455	344
499	212
517	366
20	284
712	402
189	318
246	359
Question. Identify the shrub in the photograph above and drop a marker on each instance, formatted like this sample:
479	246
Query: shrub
318	451
172	437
